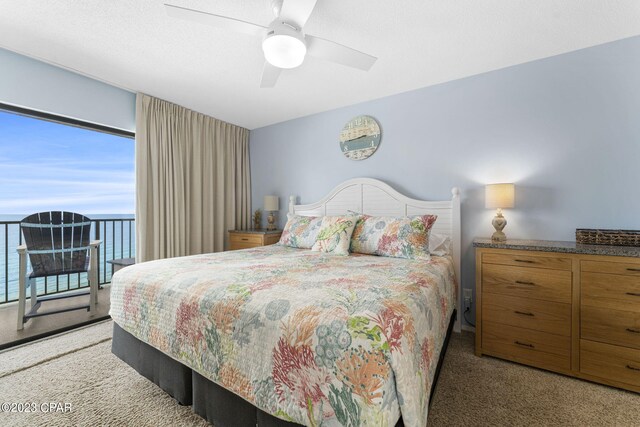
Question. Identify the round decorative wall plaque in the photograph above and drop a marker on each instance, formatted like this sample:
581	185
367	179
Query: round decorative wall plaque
360	137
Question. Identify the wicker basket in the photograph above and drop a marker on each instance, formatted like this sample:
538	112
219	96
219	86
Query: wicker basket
608	237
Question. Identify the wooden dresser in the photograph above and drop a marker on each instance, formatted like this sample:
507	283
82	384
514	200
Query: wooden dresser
561	306
245	239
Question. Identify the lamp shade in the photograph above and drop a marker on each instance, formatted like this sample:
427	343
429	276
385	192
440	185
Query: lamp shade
271	203
499	196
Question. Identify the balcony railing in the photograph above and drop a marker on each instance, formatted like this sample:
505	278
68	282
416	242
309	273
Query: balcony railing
118	241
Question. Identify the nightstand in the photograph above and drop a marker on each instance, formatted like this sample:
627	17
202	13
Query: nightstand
245	239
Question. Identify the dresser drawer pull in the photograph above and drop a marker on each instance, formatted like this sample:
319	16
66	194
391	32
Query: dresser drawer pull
634	331
520	282
244	239
633	269
524	344
634	294
523	313
633	368
525	260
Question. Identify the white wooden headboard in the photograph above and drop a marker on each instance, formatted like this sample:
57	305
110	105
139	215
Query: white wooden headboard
373	197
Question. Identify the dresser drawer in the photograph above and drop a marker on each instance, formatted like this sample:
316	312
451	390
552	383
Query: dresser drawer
626	268
537	283
613	291
610	362
556	263
536	348
545	316
610	326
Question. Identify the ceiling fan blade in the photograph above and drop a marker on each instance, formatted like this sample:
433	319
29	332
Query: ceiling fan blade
214	20
335	52
296	11
270	75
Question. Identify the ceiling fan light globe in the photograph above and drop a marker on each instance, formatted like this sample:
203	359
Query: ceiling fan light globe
284	51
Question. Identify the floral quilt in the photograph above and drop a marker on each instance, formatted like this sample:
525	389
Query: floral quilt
308	337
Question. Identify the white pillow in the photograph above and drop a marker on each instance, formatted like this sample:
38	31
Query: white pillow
439	244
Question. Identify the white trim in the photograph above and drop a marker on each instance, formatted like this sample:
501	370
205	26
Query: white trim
373	197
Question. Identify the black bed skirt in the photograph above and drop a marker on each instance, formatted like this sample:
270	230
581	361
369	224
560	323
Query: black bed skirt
212	402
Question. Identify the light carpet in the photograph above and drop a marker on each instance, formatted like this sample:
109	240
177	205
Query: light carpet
78	368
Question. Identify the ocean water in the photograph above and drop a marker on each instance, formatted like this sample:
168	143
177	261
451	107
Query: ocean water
118	241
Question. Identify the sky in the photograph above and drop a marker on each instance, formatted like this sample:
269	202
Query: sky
50	166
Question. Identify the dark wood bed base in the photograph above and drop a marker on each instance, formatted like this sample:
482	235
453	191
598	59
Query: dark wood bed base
209	400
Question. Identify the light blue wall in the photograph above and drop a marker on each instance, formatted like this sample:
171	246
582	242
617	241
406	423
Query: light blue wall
565	129
33	84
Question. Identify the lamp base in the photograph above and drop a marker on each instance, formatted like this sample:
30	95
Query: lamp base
499	223
498	237
271	220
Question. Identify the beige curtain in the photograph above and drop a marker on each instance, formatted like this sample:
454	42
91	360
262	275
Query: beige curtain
193	181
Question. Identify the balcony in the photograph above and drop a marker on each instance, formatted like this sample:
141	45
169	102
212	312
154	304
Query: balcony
118	241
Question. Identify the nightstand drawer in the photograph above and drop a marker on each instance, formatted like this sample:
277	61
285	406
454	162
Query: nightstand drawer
626	268
536	348
246	238
528	261
611	326
234	246
537	283
610	362
613	291
271	239
545	316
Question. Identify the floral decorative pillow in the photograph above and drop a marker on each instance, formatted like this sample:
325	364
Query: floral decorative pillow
398	237
335	234
300	231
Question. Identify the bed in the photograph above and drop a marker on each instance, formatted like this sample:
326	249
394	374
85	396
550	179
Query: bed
278	336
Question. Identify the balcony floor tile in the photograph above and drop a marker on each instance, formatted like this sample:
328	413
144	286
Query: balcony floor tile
47	325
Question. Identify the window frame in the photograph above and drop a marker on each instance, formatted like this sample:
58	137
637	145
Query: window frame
35	114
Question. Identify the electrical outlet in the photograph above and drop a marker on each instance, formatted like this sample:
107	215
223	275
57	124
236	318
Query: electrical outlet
468	298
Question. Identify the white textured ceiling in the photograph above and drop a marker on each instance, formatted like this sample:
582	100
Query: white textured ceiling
133	44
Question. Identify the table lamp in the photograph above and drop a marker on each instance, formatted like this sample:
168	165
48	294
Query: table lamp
271	205
499	196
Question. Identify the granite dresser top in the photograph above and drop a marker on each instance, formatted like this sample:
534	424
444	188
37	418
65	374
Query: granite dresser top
558	246
256	231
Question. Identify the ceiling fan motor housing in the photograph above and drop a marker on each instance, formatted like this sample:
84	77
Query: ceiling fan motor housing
276	7
284	45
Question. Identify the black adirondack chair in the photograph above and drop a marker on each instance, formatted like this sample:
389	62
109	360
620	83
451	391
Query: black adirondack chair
56	243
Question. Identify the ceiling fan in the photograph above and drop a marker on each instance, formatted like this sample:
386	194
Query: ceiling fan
284	43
